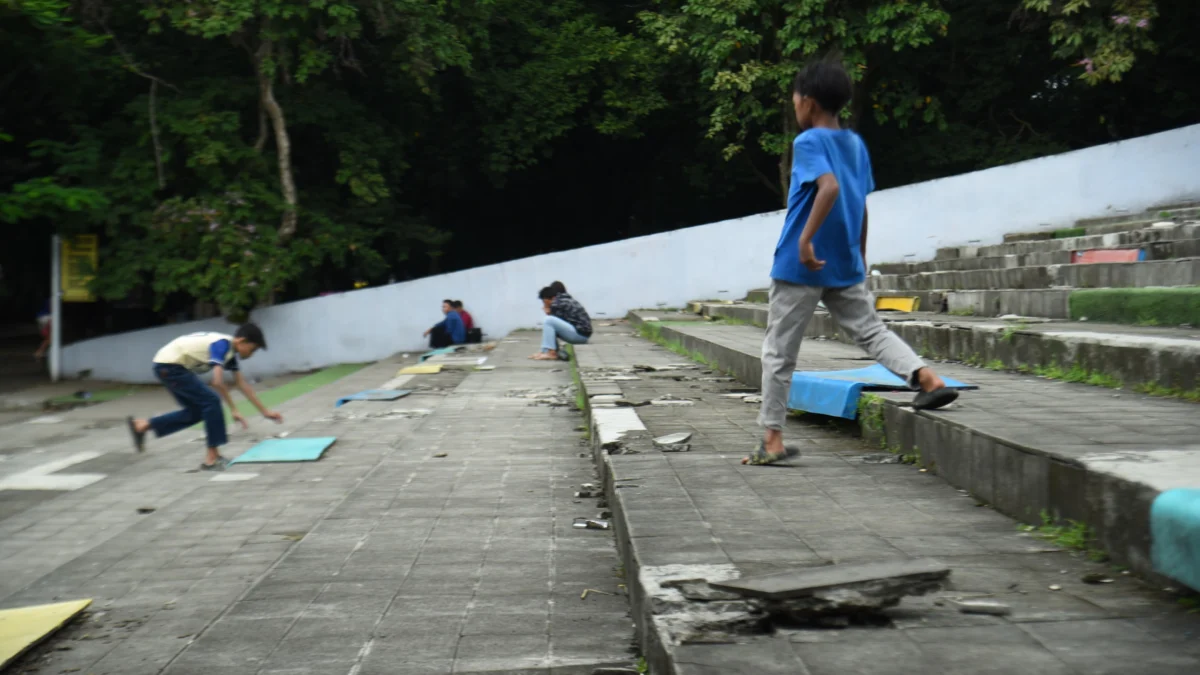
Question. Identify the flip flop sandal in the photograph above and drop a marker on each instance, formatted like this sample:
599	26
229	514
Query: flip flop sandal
761	457
139	437
218	465
932	400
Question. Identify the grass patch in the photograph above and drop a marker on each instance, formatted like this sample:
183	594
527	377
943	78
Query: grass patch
67	401
732	321
1078	375
580	397
963	311
1010	332
1138	306
996	364
298	387
870	411
1069	232
1073	535
1156	389
653	333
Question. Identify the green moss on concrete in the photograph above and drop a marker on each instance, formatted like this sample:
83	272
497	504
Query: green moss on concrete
298	387
1146	306
1067	233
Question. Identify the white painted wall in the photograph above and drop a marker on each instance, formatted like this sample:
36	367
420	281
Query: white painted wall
720	260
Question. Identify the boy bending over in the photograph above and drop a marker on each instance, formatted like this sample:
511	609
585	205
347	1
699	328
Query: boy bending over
177	366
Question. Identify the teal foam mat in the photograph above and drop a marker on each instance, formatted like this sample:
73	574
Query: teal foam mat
286	450
374	395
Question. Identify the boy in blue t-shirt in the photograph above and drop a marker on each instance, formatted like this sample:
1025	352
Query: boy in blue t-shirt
821	257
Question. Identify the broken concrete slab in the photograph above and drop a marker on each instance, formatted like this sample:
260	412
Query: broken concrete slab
674	439
805	582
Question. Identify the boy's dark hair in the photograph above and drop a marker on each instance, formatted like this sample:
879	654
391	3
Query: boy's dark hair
448	302
547	293
250	332
558	287
457	304
826	82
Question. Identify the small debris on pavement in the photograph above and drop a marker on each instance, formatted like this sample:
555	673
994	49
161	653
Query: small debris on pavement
674	439
439	454
753	399
584	594
683	447
586	494
590	524
1096	578
146	509
1055	587
983	607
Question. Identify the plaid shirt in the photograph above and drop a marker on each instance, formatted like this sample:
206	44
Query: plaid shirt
568	309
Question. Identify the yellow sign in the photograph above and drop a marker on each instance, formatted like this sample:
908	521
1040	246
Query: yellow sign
423	369
23	627
79	255
898	304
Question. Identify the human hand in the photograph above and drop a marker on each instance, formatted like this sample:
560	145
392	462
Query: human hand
274	416
426	334
241	420
808	257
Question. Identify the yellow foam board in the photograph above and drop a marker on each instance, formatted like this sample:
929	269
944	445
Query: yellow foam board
423	369
898	304
24	627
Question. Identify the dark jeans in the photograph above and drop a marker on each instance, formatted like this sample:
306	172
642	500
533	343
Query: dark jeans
200	403
439	338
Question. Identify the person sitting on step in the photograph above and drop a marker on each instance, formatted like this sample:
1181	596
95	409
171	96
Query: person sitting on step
566	320
474	335
449	331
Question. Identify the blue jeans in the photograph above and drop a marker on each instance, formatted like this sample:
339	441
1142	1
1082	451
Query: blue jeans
555	329
200	403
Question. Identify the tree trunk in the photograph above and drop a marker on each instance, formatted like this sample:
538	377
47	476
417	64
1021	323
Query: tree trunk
283	145
789	129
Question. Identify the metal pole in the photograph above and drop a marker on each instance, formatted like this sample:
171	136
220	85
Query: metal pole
55	308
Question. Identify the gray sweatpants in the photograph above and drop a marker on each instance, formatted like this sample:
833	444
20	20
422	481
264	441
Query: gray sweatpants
792	307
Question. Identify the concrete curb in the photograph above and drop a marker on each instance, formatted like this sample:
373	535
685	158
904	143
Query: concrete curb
612	429
1020	480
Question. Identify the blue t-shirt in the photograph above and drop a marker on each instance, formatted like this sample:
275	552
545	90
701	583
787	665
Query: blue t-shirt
839	241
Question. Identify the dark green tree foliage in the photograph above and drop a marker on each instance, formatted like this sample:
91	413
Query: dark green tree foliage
233	153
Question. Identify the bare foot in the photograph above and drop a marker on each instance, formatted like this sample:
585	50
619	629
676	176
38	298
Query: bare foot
929	380
545	356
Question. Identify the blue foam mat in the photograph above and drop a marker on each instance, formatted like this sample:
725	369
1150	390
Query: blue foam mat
286	450
836	392
374	395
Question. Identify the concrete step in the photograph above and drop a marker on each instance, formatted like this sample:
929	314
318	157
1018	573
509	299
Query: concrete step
1109	224
1147	236
1163	250
1027	446
1181	272
1182	210
1135	358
